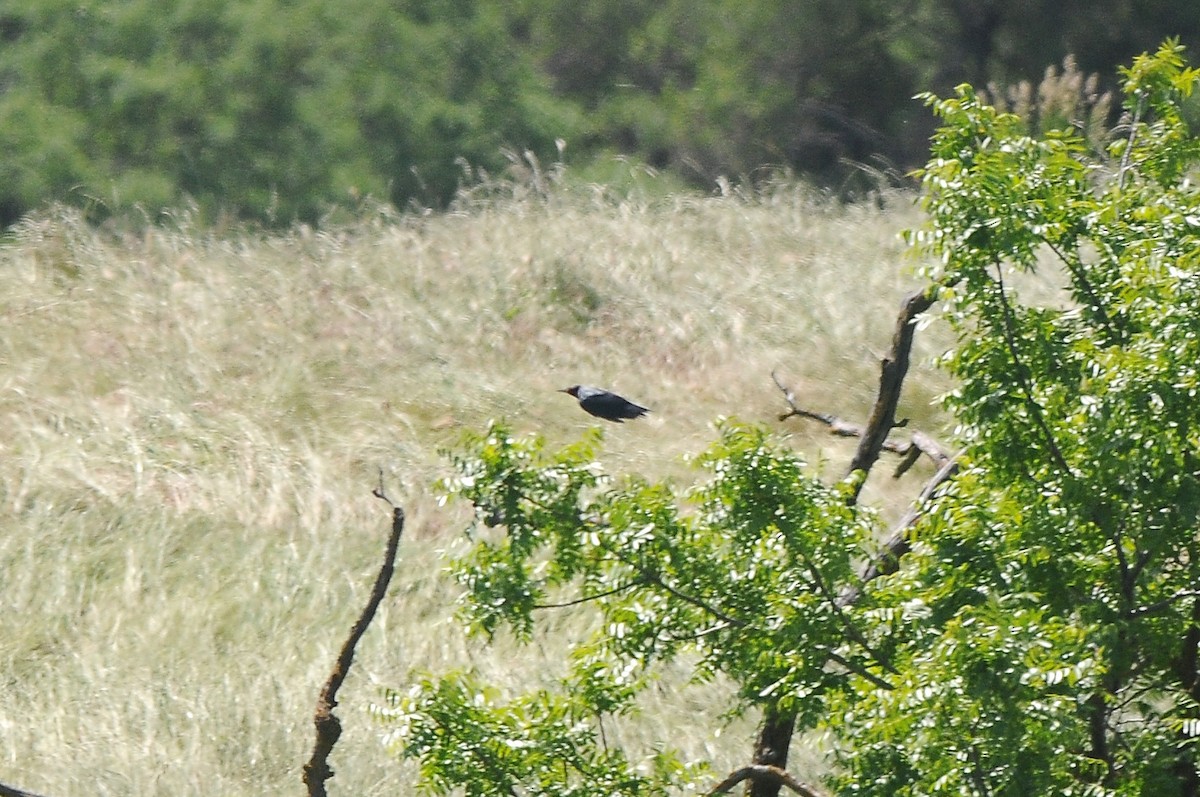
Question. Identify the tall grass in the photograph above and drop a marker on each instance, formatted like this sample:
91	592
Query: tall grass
193	422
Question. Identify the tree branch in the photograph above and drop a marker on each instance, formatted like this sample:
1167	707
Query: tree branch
329	727
1185	668
656	580
589	598
896	545
910	451
1133	127
777	727
1074	266
651	578
768	774
887	559
712	629
862	672
10	791
893	370
1155	607
1022	375
848	628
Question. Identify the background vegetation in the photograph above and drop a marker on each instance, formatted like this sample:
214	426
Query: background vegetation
278	111
194	422
190	409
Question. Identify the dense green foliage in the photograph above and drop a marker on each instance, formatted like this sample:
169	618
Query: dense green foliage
279	110
741	583
1050	628
270	109
1043	635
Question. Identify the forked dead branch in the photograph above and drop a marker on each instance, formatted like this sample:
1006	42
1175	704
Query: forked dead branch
760	773
775	732
909	450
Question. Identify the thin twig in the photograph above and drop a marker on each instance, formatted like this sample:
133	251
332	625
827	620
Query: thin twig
650	578
909	451
1161	605
1080	276
863	672
1125	156
713	629
836	425
654	578
590	598
1022	374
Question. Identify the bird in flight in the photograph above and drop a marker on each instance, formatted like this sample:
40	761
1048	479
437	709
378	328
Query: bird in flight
604	404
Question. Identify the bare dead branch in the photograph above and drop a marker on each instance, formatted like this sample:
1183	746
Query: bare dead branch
893	369
931	448
891	551
837	426
908	459
874	437
896	544
765	773
887	558
908	450
317	771
895	365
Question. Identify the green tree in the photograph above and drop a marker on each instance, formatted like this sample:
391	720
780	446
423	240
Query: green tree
1040	634
265	110
1050	642
712	87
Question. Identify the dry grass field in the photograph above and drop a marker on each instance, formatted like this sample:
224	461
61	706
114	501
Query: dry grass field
193	422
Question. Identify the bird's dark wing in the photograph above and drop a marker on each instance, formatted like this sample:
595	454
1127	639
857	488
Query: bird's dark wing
611	407
634	410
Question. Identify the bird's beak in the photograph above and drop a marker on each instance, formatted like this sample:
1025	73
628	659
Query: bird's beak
563	390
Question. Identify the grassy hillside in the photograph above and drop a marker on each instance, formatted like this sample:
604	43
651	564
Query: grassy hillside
194	421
